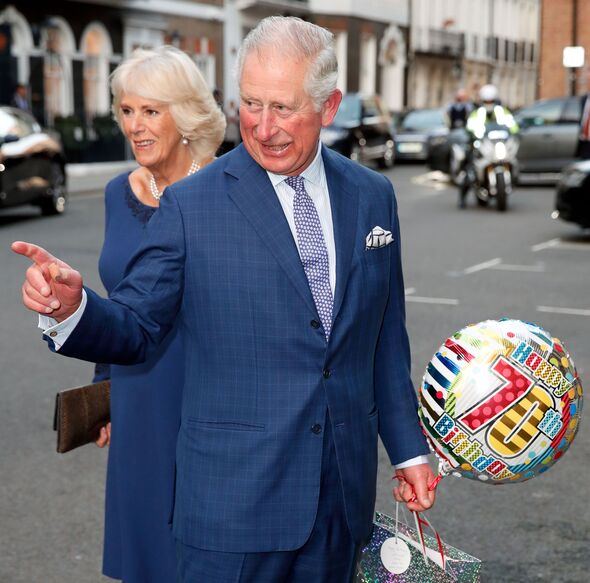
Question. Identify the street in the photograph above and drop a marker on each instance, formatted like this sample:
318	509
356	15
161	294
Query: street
460	267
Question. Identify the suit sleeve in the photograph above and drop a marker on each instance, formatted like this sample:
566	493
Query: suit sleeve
396	399
129	326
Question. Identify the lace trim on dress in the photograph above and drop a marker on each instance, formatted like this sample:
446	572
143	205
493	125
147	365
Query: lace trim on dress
142	212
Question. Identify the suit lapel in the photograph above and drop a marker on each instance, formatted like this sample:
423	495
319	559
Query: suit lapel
256	198
344	200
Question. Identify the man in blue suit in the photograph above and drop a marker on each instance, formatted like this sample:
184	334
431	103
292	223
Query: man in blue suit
282	262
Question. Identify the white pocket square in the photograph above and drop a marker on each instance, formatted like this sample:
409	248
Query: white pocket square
378	237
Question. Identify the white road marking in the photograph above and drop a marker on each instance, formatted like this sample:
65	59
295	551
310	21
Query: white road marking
545	245
481	266
566	311
441	301
559	244
409	291
436	180
538	268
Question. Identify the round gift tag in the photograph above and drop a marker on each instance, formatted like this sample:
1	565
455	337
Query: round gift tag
395	555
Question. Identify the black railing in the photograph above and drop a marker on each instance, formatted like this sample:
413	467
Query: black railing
445	42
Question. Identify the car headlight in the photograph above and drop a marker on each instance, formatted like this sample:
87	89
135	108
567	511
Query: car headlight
573	179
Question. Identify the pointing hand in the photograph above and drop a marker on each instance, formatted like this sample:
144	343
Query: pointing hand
51	287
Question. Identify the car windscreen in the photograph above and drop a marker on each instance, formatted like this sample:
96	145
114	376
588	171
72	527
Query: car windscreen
8	125
349	112
425	119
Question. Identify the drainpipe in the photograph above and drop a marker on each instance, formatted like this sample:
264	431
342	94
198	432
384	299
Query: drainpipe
573	71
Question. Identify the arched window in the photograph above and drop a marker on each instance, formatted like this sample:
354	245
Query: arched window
17	39
97	50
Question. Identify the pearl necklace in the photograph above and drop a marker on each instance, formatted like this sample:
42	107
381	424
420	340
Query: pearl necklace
157	194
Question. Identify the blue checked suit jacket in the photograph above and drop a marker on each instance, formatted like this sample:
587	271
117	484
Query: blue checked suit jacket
220	257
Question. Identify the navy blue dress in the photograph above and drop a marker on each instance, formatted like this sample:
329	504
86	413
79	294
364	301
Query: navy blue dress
145	414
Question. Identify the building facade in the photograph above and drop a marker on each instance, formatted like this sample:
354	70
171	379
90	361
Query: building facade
64	53
414	53
467	43
564	23
370	44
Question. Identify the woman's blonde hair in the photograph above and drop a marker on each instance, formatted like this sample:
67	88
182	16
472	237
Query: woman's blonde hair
168	75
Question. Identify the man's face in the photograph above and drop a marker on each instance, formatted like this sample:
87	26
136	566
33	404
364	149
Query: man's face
280	127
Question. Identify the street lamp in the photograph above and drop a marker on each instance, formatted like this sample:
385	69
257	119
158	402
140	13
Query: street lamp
573	58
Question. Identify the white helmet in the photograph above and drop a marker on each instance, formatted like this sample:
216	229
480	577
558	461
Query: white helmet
488	93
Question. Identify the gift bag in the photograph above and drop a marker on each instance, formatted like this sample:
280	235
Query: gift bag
399	553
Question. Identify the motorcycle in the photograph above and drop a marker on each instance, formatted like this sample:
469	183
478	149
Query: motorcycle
489	166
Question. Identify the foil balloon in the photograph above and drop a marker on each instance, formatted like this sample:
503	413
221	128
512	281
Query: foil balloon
500	402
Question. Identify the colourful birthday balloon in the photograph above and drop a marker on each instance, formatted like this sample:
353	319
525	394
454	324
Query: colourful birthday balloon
500	402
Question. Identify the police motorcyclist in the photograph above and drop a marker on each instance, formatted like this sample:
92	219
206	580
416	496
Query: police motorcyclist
490	111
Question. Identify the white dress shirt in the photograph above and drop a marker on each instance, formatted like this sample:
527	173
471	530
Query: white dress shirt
316	186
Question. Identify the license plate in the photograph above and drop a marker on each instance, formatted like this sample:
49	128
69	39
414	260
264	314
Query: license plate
408	148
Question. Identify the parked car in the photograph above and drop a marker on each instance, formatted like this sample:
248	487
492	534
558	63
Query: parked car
417	131
572	201
549	131
33	164
548	137
361	131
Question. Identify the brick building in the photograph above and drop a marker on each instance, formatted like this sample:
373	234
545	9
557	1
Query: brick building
563	23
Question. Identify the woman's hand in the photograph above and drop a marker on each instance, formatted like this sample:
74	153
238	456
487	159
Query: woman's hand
104	438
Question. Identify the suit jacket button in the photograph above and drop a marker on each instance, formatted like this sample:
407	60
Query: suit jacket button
327	373
315	324
317	428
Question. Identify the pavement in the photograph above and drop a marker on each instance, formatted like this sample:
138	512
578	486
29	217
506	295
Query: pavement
84	178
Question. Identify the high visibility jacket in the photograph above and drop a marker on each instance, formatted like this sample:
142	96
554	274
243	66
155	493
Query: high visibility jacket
476	123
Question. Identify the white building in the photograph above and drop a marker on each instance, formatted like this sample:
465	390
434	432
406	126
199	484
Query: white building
370	44
467	43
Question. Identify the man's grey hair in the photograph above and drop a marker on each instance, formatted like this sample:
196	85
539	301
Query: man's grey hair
298	39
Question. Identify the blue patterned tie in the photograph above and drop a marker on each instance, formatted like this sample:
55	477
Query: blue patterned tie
313	251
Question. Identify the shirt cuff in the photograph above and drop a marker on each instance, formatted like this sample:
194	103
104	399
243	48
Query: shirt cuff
59	332
415	461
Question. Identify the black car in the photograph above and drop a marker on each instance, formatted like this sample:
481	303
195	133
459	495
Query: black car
417	131
32	164
361	131
572	202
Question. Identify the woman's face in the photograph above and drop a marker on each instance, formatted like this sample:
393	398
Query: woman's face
151	131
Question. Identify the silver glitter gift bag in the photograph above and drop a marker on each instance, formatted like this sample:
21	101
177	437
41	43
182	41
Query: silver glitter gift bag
398	553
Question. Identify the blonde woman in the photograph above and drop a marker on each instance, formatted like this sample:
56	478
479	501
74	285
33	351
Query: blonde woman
174	127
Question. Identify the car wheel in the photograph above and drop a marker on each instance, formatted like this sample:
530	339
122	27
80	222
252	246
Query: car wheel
56	202
388	159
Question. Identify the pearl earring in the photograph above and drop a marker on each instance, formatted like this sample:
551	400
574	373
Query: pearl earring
185	140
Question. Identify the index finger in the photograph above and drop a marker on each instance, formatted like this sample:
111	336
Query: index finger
35	253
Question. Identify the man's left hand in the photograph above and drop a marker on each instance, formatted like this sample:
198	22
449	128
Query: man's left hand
413	487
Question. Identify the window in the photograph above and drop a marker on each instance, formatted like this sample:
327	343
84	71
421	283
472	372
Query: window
542	113
572	110
371	108
349	111
15	124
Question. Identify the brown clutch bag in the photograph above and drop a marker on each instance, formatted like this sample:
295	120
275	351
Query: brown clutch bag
80	412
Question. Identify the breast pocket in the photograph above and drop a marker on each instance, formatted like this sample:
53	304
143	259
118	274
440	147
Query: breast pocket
377	256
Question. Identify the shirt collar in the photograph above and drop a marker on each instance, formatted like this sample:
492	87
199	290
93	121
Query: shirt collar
313	173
